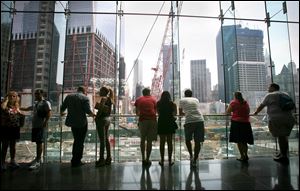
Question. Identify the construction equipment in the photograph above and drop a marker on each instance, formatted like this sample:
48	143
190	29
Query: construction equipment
165	55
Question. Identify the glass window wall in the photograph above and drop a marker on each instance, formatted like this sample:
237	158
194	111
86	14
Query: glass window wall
213	48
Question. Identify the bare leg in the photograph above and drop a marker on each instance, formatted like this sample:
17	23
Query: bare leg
197	150
162	147
142	146
149	149
240	147
189	147
39	151
283	145
107	144
170	147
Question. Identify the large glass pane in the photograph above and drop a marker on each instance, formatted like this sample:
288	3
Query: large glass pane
6	23
131	45
200	8
54	134
90	60
249	10
293	10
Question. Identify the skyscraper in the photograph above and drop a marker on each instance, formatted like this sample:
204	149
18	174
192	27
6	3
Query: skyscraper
200	80
89	52
243	68
34	48
137	79
6	22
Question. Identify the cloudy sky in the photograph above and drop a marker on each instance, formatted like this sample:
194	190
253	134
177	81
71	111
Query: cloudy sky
198	35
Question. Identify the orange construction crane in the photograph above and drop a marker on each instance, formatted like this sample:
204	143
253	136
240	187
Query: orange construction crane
163	63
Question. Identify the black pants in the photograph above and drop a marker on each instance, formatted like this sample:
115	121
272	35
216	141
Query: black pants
79	134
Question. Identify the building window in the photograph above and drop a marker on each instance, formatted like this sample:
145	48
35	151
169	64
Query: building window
88	29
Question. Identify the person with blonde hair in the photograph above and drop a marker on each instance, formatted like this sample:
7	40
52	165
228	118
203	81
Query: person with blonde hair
104	105
10	127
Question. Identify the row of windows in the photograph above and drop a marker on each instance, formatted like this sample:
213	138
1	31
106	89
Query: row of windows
74	31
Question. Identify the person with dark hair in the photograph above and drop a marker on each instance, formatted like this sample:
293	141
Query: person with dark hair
146	111
240	128
78	105
10	128
194	124
281	122
41	115
166	125
103	105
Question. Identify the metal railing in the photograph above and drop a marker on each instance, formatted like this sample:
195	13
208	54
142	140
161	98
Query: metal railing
125	141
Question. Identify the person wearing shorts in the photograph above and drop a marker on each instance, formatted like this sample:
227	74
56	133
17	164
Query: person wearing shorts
280	122
146	111
41	114
194	124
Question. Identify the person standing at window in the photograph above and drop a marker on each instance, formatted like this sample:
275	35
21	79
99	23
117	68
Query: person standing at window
10	128
102	123
194	124
41	115
78	105
146	111
166	125
240	128
281	122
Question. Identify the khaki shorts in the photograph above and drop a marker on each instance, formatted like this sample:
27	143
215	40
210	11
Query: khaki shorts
148	130
281	127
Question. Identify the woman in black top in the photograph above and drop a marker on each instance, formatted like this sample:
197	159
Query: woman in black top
103	122
166	124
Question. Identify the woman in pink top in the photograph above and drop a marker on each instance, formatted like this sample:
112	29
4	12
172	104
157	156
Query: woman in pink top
240	128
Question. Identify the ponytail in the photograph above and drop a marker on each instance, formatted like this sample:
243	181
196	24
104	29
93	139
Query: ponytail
111	95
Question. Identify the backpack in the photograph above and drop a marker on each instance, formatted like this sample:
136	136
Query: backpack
286	103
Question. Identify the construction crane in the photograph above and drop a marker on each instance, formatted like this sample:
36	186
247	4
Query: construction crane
164	57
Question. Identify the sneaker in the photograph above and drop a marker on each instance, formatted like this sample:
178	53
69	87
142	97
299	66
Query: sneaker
35	165
282	160
277	156
14	164
33	161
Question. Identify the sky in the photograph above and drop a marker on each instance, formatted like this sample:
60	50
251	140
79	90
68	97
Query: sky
196	35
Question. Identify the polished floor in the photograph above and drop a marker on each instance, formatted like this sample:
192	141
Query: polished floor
227	174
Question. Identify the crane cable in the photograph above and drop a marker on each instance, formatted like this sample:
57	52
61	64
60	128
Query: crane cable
145	41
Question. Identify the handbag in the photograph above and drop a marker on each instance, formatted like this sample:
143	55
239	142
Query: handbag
174	124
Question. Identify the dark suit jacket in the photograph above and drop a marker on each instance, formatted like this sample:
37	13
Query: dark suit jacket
78	106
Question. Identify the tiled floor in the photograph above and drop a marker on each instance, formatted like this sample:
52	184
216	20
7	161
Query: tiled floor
227	174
